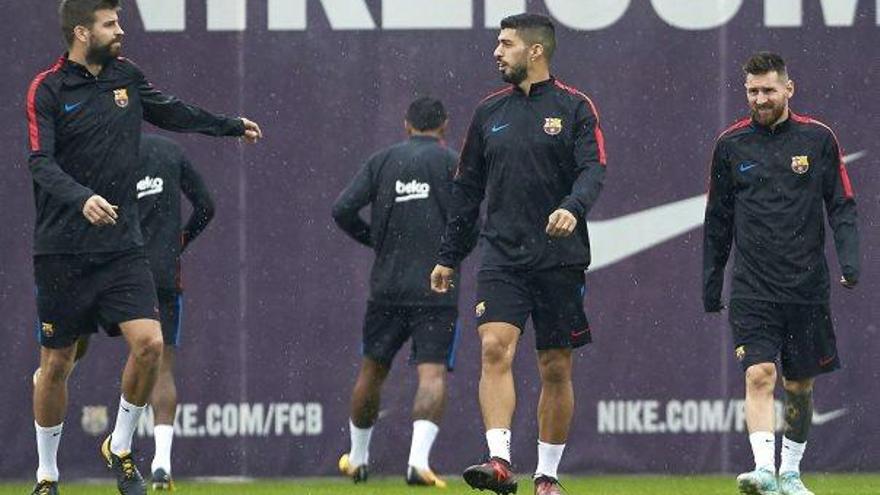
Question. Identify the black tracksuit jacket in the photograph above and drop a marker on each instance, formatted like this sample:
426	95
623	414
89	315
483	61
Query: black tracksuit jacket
767	190
165	173
408	187
84	135
530	154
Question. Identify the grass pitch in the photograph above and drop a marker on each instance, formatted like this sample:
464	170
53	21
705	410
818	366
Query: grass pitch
860	484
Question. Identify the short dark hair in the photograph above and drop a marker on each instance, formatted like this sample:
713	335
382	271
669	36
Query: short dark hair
75	13
426	114
763	62
535	29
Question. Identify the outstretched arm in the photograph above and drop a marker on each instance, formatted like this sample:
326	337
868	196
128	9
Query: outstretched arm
170	113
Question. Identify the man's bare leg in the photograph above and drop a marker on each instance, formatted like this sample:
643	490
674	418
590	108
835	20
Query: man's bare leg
760	415
144	338
365	400
164	404
497	403
50	406
428	407
798	419
555	409
497	392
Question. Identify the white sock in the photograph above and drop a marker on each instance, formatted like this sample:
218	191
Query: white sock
499	443
549	456
424	433
360	444
764	450
792	453
47	450
126	421
164	435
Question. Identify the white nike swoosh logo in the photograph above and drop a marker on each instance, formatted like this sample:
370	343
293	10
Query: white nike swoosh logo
402	199
150	192
616	239
822	418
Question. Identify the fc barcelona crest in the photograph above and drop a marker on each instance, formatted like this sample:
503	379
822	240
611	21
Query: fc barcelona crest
121	97
480	309
95	420
552	126
800	164
48	329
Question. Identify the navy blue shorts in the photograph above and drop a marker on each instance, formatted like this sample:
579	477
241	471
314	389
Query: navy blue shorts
170	315
434	331
77	293
553	298
800	336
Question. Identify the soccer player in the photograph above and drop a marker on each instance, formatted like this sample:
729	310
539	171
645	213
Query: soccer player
84	125
408	188
536	149
166	173
771	175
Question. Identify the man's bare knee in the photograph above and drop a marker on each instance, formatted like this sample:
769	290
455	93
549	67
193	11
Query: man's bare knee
432	375
496	350
761	376
148	349
56	364
56	371
495	353
555	365
373	372
498	344
798	386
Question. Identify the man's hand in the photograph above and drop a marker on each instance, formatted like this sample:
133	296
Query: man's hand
561	223
849	284
99	212
252	131
441	279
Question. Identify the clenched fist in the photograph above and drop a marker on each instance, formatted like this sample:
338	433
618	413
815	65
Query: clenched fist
441	279
561	223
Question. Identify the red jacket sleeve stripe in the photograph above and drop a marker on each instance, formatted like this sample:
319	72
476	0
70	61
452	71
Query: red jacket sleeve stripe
597	130
844	176
33	127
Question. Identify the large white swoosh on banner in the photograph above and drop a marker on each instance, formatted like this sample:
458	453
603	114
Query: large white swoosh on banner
619	238
822	418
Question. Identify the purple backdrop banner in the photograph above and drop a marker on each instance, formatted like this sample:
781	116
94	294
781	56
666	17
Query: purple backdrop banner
276	294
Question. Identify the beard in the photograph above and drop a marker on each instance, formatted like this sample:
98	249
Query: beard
101	54
768	118
515	74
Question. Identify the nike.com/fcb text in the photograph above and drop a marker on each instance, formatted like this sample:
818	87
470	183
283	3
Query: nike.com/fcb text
684	416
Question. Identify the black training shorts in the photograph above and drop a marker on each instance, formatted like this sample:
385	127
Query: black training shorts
434	331
553	298
801	336
76	293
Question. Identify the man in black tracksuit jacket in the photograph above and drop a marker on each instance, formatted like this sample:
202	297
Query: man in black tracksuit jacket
408	187
775	176
166	173
84	126
536	150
